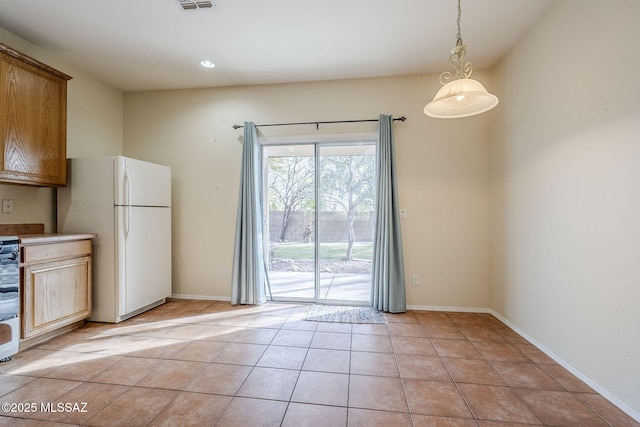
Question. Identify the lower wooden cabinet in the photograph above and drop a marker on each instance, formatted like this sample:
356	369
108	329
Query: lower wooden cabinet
56	279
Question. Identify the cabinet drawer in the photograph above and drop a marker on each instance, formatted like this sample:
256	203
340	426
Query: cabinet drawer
52	251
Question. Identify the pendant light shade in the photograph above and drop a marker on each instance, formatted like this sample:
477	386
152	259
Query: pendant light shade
460	98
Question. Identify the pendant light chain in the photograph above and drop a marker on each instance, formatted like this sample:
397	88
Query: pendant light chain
458	35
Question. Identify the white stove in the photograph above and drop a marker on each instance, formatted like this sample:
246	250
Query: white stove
9	297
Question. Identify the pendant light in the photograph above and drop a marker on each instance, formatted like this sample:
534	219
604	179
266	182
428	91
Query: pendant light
460	96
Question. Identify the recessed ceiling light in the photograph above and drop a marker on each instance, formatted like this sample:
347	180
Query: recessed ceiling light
207	63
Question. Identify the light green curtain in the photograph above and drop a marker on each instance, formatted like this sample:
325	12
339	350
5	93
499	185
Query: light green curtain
387	278
248	272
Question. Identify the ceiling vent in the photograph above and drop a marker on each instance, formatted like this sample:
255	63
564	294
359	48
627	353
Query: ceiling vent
189	5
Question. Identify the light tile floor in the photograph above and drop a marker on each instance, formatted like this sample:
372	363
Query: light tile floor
206	363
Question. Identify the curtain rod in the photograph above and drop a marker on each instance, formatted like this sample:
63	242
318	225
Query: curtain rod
402	119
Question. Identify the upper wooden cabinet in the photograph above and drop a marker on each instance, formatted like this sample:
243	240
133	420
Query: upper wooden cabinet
33	121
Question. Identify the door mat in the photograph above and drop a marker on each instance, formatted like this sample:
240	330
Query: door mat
344	314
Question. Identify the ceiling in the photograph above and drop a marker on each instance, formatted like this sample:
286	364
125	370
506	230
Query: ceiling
136	45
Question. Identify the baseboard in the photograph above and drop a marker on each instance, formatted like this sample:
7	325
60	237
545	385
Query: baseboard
450	309
200	297
579	374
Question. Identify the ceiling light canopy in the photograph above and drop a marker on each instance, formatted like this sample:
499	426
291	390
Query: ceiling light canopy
460	96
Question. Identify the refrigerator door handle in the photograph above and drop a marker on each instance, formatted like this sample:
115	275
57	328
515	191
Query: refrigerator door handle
126	222
127	188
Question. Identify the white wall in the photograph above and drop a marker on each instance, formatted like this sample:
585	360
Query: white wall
566	153
94	128
443	175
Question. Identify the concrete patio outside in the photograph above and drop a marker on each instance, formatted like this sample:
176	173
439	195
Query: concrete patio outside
344	287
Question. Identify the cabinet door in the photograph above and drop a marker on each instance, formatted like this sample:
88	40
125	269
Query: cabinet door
55	294
33	120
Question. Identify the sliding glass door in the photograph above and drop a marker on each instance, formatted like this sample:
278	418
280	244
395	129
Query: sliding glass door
289	182
319	227
345	221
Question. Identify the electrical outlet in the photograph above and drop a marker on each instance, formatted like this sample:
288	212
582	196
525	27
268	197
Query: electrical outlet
7	206
223	273
416	280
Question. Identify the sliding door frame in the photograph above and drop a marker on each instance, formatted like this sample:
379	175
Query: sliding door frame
318	142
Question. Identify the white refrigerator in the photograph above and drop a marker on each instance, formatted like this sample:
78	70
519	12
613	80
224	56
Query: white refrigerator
127	203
